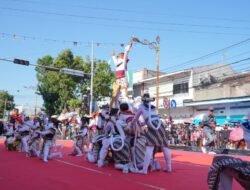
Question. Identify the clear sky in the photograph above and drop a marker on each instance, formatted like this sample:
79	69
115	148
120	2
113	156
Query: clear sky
187	28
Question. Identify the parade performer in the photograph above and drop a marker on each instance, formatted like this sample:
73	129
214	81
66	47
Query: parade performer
24	131
246	130
155	133
108	131
224	169
100	120
81	140
208	124
131	154
10	138
48	143
120	86
34	141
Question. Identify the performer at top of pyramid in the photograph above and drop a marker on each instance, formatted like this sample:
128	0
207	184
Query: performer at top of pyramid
120	86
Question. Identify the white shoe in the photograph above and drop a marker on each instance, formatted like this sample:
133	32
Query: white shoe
45	161
142	172
211	152
79	155
155	166
132	169
125	169
167	170
203	149
100	163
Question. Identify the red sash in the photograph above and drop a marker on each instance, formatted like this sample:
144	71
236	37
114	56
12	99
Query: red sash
120	74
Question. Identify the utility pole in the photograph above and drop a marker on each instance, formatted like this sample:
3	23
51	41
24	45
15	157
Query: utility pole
92	78
157	48
35	103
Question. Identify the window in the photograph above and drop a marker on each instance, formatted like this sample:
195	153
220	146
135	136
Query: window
180	88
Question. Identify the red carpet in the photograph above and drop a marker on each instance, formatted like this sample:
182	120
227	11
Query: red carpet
72	173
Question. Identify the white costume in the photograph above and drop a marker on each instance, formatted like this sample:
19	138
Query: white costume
80	141
34	141
155	135
24	132
48	143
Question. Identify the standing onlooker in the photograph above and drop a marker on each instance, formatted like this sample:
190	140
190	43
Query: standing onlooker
208	124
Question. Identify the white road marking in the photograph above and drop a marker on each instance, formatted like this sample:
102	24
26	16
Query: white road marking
109	174
86	168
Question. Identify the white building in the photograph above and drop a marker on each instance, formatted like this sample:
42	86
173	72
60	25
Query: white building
189	93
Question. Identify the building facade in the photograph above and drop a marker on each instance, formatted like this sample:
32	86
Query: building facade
189	93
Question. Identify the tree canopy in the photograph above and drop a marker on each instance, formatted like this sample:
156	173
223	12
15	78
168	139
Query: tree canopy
6	102
59	90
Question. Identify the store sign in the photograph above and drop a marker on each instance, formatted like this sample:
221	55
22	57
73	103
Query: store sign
173	103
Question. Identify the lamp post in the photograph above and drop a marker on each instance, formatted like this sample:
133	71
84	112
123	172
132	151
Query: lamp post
156	46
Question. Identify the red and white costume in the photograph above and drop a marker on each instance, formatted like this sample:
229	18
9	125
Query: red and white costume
121	68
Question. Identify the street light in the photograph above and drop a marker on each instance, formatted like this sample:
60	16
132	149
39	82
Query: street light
156	46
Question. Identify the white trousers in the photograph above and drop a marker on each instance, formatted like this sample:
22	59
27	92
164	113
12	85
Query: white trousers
104	151
46	151
149	156
24	141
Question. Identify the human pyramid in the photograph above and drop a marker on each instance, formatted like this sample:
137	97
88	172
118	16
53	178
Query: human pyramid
128	134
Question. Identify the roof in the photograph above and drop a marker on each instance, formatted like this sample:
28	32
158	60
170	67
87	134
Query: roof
179	74
218	101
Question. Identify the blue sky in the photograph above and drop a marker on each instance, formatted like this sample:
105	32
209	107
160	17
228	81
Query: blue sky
188	29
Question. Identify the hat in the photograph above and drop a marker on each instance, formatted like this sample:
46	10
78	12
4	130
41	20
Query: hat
211	109
146	98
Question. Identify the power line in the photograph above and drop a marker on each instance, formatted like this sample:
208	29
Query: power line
74	43
216	68
219	61
197	86
121	20
209	54
139	12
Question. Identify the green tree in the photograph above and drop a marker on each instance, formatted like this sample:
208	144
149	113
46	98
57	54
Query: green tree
60	90
6	102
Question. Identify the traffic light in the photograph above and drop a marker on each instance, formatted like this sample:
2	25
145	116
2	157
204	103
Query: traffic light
21	62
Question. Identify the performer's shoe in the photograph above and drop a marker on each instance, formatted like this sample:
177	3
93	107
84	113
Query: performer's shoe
44	160
100	163
28	155
167	170
78	155
132	169
125	169
155	166
142	172
211	152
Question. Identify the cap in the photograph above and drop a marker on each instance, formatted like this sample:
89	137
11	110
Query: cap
211	109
